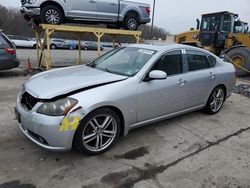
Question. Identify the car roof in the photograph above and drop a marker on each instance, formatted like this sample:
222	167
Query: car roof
165	46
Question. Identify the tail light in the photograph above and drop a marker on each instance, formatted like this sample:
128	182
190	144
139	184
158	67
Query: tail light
148	10
10	51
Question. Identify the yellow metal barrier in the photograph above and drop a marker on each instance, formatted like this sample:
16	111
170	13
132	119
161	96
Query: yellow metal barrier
48	29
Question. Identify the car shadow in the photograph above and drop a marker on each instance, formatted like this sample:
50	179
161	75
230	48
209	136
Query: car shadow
12	73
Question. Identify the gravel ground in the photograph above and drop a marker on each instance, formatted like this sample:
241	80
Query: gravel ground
59	57
243	89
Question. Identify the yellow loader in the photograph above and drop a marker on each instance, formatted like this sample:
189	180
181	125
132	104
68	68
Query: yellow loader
222	33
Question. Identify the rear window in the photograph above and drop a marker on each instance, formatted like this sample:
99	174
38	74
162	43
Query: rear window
5	42
197	60
212	60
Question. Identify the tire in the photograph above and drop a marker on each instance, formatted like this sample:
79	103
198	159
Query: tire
53	46
34	46
51	15
242	56
88	126
131	22
85	48
218	103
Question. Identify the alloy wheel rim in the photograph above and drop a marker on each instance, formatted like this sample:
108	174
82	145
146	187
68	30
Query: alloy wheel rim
52	16
132	23
217	100
99	133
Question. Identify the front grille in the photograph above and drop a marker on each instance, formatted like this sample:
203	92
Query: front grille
28	100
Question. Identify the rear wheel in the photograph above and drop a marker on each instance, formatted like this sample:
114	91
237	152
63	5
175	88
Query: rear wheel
131	22
97	132
215	101
241	59
52	15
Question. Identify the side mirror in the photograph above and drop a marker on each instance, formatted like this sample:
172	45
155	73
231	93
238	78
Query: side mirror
157	75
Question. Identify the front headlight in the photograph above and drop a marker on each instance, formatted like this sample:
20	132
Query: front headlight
57	108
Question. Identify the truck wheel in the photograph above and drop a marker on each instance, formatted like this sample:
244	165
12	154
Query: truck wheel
241	58
52	15
131	22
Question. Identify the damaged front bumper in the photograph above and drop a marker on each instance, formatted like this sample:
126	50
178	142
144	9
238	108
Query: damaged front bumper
30	12
49	132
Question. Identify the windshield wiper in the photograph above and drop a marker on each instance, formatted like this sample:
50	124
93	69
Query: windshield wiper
115	72
91	64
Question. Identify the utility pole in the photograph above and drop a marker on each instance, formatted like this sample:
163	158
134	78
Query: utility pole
152	26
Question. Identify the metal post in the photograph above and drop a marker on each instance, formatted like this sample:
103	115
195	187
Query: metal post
152	26
79	48
37	45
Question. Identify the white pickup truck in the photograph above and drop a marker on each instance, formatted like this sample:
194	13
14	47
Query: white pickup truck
114	13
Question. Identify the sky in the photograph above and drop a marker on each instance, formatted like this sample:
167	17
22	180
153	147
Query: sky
177	16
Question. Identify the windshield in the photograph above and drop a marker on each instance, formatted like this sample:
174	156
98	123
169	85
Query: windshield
210	23
126	61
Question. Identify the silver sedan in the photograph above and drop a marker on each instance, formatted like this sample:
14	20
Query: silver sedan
91	106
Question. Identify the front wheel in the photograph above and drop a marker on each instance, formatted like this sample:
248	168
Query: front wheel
52	15
97	132
131	23
215	101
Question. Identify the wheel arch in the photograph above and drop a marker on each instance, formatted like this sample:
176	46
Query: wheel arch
119	113
46	3
133	13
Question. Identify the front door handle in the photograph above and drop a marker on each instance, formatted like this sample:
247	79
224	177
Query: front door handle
113	3
212	75
92	1
181	82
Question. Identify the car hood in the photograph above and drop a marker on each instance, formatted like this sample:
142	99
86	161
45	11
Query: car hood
50	84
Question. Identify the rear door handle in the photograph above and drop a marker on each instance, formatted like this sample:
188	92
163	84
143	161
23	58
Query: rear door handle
113	3
92	1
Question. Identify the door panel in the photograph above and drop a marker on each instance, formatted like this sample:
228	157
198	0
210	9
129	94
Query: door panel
201	79
159	97
83	9
108	10
198	87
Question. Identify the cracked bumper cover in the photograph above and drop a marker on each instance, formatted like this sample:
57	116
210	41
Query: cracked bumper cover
44	130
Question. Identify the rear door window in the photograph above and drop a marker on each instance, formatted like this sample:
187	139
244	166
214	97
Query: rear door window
212	60
197	60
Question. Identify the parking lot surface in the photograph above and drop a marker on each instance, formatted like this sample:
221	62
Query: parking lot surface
58	57
193	150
